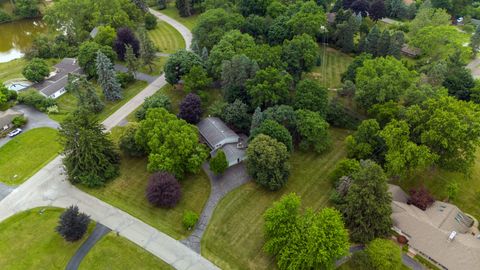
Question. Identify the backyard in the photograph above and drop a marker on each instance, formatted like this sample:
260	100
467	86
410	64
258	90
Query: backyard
234	237
13	69
166	38
333	64
27	153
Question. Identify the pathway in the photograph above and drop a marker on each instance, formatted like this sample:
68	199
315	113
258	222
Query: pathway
5	190
186	34
97	234
232	178
138	75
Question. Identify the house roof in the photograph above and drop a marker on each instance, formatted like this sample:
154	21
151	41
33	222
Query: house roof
234	154
7	116
216	133
429	231
60	79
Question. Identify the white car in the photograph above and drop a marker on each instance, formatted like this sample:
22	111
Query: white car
15	132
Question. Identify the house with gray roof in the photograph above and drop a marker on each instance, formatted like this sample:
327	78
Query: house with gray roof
217	135
442	233
54	85
7	117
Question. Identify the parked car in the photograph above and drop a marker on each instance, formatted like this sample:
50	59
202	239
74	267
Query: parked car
14	132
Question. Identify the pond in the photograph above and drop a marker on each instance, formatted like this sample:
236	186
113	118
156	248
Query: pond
16	37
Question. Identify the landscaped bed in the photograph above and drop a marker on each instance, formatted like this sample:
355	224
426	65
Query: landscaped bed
234	237
27	153
115	252
29	241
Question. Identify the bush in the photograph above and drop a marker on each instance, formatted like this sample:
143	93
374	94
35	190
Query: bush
35	99
189	219
36	70
125	78
191	109
125	36
421	198
72	224
452	190
158	100
150	21
163	190
346	167
384	254
19	121
219	163
127	142
4	17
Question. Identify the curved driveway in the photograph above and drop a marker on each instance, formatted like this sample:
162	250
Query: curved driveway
49	187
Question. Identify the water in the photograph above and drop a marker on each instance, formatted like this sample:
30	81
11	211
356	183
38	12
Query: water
16	37
17	86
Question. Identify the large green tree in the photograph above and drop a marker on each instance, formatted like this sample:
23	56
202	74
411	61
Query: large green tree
310	95
36	70
384	254
313	131
85	92
179	64
87	56
309	19
366	142
269	87
274	130
235	73
300	54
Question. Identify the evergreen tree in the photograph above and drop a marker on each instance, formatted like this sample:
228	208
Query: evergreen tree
107	79
185	7
147	49
372	41
345	34
257	118
204	55
396	42
131	60
72	225
162	4
85	93
235	73
475	41
384	43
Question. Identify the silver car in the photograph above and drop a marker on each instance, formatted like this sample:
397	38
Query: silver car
15	132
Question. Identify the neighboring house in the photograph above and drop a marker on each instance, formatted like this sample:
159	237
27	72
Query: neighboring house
6	118
54	86
410	51
442	233
218	136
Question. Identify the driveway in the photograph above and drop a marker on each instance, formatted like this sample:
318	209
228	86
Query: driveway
138	75
5	190
97	234
36	119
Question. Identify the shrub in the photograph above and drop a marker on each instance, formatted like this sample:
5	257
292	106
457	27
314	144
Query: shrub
346	167
72	224
421	198
163	190
190	108
159	100
150	21
19	121
189	219
384	254
35	99
452	190
4	17
219	163
127	142
52	109
124	78
125	36
36	70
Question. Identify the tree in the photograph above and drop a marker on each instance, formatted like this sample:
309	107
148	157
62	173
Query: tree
421	198
351	73
105	36
346	167
107	79
161	133
26	8
212	25
377	10
87	56
127	142
131	60
267	162
150	21
367	206
196	80
158	100
452	190
219	163
72	224
184	7
179	64
300	54
311	96
475	41
366	142
372	40
384	254
396	42
191	108
258	7
279	30
396	8
345	33
36	70
275	131
427	16
141	5
309	19
162	4
236	114
235	73
380	80
147	49
310	240
269	87
313	131
85	93
360	7
384	43
458	80
125	36
257	27
163	190
284	115
90	157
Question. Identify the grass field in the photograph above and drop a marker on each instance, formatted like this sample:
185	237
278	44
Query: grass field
67	103
166	38
114	252
127	192
334	63
172	12
29	241
234	237
27	153
13	69
176	96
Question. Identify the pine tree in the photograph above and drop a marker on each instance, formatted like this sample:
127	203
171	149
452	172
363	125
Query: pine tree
107	79
85	93
185	7
162	4
384	43
257	118
72	225
475	41
204	55
396	43
147	49
345	34
372	40
131	60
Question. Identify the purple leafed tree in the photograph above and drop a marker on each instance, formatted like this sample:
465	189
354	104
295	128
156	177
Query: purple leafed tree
190	108
125	36
421	198
163	190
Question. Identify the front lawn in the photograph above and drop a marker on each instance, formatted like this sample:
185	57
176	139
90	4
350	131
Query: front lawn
172	12
333	64
115	252
23	156
234	237
157	67
29	241
166	38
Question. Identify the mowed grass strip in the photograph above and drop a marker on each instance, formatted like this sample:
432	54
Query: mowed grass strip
116	252
234	238
333	64
29	241
23	156
166	38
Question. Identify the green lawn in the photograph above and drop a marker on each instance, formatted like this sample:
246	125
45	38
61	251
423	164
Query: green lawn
127	192
334	63
29	241
27	153
13	69
350	265
157	67
176	96
234	237
172	12
67	103
115	252
166	38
